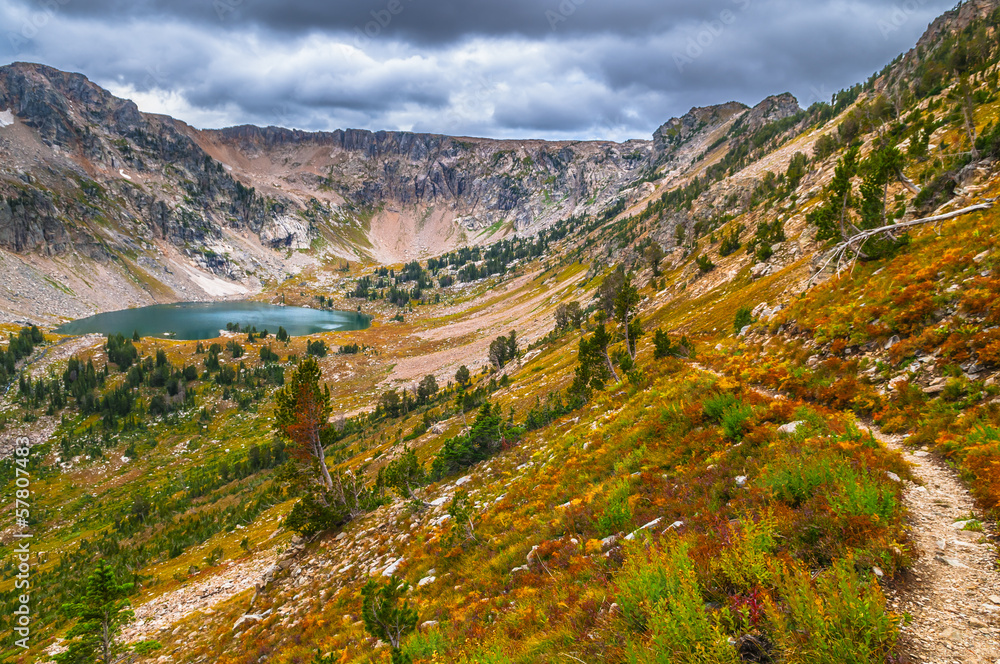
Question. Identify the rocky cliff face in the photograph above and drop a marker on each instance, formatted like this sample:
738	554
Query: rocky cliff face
185	185
526	185
772	109
678	131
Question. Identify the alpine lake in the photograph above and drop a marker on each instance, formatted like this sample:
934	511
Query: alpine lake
190	321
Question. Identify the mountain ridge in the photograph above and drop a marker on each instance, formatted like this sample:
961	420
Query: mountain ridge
104	178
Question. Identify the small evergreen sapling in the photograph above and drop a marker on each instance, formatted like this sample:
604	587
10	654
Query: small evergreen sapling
386	617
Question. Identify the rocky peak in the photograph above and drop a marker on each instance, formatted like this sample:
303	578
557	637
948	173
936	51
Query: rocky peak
949	23
57	103
956	19
677	131
772	109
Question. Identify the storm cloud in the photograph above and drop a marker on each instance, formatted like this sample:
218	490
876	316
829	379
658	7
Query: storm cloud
558	69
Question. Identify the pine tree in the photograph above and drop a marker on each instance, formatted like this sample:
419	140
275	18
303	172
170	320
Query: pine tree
626	306
101	614
302	410
385	617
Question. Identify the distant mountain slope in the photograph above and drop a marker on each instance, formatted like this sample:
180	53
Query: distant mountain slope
163	211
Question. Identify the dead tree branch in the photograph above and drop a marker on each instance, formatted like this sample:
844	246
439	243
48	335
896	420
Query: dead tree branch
855	242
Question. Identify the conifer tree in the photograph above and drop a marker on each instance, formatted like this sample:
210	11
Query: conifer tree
303	408
101	614
385	617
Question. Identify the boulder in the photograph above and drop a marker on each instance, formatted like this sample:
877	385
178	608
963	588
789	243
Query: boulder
937	386
791	427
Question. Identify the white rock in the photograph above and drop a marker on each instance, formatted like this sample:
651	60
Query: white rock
741	480
427	579
878	572
463	480
791	427
951	562
437	502
651	524
249	617
892	476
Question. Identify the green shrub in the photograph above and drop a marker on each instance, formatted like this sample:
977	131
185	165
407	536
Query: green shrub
848	492
310	516
659	593
425	644
617	515
839	619
730	242
388	616
664	346
734	421
744	317
728	411
858	494
714	407
748	562
793	480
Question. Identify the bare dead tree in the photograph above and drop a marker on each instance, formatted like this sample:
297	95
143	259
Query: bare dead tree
857	241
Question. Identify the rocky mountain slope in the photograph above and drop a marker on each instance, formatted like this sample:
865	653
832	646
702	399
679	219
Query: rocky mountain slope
163	211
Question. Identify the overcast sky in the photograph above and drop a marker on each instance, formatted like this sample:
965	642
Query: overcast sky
556	69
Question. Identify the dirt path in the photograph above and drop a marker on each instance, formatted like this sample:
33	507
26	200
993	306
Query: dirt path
952	592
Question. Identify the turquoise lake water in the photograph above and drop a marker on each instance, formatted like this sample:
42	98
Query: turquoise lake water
203	320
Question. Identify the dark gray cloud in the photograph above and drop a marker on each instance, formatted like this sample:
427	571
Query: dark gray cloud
556	68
